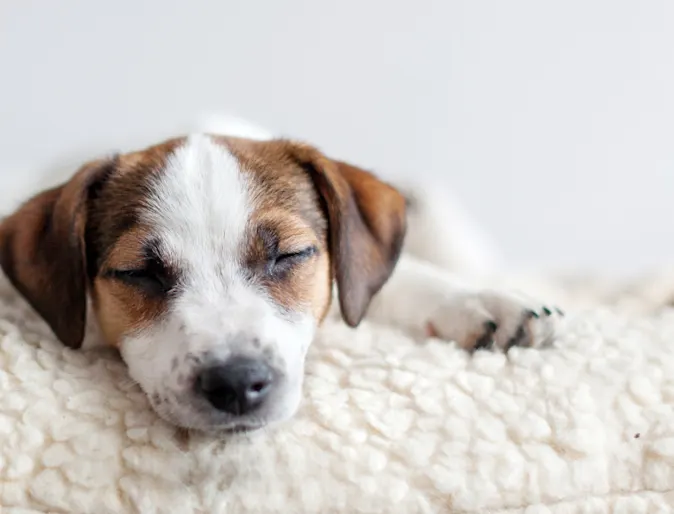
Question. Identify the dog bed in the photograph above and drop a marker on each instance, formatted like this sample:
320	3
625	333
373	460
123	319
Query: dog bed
388	424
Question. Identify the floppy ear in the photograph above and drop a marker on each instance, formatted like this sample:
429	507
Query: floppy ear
366	222
43	252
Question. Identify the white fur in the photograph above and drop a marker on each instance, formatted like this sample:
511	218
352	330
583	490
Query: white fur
463	246
420	295
441	236
233	126
442	232
199	211
387	425
390	426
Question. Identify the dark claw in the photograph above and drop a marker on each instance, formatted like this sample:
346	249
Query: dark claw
559	311
486	342
547	311
518	339
490	326
532	314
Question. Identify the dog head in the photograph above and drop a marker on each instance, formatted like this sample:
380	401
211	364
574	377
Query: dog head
209	262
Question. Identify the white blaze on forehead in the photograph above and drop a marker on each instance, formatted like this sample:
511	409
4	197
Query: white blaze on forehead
200	204
198	210
198	213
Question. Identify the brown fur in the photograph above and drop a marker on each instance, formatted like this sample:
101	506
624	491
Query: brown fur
365	220
43	251
65	241
53	247
367	224
122	308
115	210
287	207
117	237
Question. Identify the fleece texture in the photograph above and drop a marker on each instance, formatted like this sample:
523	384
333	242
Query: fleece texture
387	424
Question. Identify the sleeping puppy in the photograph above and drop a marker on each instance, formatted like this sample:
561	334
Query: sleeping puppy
210	261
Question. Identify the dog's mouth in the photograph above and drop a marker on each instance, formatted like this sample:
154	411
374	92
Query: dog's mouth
197	423
234	428
242	429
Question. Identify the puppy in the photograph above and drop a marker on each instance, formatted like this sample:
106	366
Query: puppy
210	261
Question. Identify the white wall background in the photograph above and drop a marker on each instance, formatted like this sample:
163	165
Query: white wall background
553	121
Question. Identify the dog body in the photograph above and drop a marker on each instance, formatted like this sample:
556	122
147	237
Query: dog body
211	260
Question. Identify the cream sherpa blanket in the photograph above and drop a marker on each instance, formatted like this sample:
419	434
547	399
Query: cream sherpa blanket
387	425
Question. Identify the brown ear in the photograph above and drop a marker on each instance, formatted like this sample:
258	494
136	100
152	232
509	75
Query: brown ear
366	220
43	253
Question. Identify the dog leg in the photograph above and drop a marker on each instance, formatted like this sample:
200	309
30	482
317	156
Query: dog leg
427	301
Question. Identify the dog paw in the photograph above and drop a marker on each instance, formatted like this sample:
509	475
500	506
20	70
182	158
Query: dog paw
489	319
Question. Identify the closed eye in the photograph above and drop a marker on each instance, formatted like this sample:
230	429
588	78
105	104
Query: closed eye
283	262
301	254
152	279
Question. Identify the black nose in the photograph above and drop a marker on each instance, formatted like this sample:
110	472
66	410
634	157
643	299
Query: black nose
238	386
